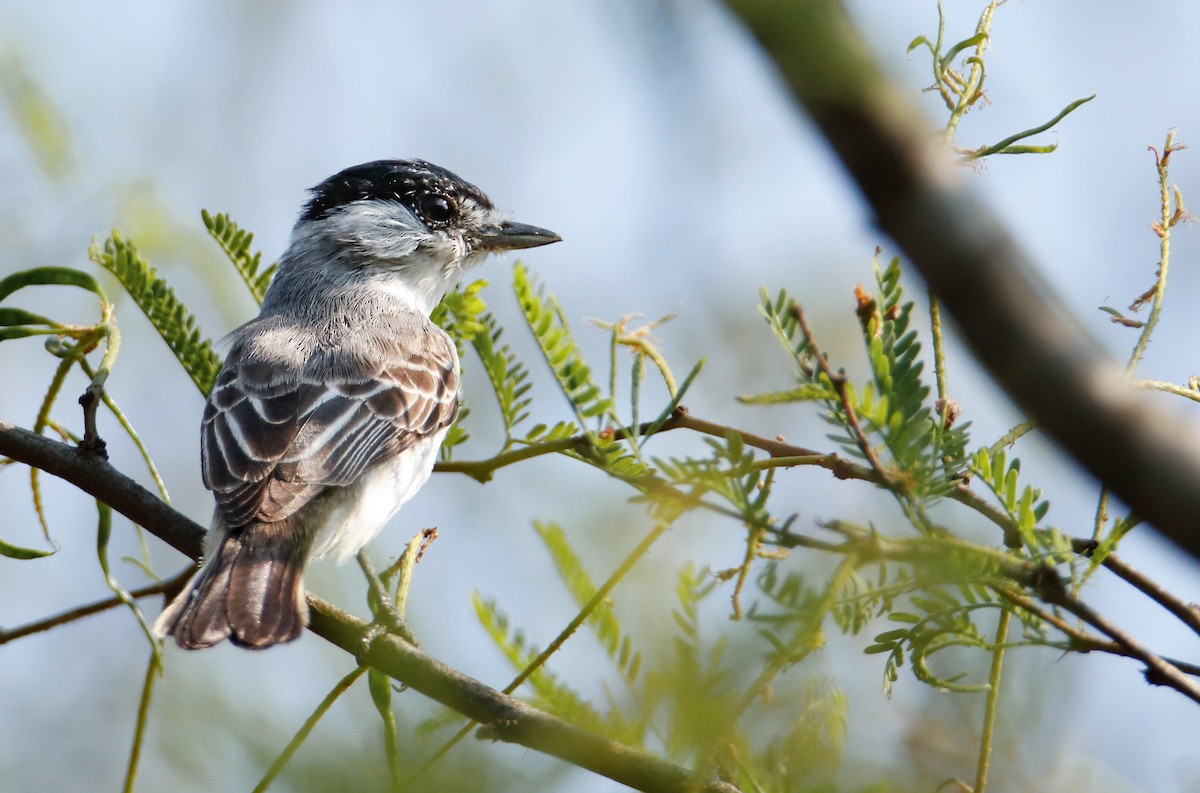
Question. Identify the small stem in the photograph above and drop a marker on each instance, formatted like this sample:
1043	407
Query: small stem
838	381
123	420
993	697
969	92
143	717
1000	147
1170	388
1012	436
1187	613
1163	228
1159	670
939	353
1101	515
42	420
342	687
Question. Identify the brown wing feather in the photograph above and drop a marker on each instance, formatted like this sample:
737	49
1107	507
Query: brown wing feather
276	434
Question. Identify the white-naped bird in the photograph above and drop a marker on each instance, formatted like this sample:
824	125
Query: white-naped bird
334	401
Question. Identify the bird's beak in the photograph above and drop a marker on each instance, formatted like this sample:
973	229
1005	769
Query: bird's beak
510	236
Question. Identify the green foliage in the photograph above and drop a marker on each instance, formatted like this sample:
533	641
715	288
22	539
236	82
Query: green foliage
943	622
508	376
236	243
808	756
550	691
170	317
17	552
548	322
464	315
1024	505
729	471
602	618
698	691
38	119
459	314
892	412
50	276
795	627
699	694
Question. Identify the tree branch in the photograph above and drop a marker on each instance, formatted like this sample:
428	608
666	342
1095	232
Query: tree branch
504	717
1015	325
97	477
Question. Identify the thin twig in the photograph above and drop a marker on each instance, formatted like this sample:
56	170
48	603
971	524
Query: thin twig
1170	388
1051	590
1081	641
838	380
79	613
322	708
1187	613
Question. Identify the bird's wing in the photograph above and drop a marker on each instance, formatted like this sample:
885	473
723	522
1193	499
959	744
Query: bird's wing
275	434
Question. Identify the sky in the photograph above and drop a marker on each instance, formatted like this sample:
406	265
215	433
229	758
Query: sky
655	139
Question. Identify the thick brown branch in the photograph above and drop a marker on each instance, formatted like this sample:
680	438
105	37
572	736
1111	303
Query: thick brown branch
96	476
1013	322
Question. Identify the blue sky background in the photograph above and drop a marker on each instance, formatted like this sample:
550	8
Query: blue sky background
653	138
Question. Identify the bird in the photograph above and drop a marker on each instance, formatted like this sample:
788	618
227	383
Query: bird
333	402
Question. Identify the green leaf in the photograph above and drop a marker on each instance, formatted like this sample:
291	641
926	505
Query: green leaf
22	332
602	619
973	41
19	316
236	243
550	691
546	319
17	552
806	392
50	276
170	317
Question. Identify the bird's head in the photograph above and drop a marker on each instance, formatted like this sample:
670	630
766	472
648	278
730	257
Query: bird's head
405	224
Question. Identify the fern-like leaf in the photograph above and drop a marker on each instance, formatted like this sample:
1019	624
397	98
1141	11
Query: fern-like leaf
550	691
546	319
236	242
157	300
508	376
617	643
459	313
1023	503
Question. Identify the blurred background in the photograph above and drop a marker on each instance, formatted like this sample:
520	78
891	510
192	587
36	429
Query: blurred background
653	138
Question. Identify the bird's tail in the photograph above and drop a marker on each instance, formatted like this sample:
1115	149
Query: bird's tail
250	592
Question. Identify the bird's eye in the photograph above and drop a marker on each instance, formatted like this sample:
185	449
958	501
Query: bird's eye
437	208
